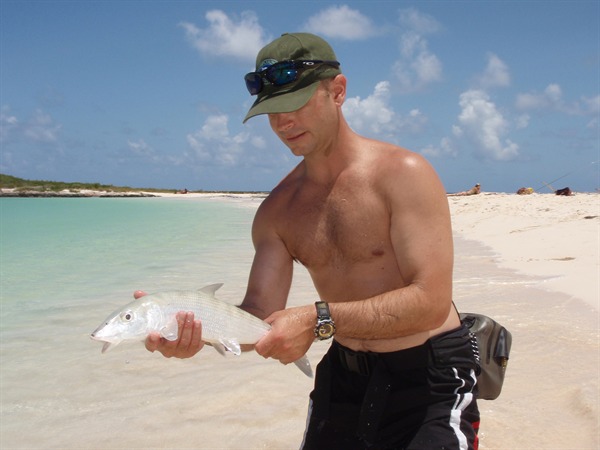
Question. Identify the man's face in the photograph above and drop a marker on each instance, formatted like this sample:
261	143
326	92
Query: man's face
309	127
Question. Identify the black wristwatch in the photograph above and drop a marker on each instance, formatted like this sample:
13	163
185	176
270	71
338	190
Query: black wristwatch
325	327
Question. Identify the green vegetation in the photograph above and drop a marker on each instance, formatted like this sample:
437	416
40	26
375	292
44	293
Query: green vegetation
19	184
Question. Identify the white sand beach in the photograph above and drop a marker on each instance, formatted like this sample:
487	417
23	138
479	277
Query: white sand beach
544	235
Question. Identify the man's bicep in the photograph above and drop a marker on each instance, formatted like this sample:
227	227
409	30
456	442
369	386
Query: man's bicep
271	273
422	236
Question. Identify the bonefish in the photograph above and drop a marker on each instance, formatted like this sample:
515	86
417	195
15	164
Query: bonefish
226	327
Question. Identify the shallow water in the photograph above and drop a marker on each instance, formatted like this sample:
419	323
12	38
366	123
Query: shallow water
66	263
550	398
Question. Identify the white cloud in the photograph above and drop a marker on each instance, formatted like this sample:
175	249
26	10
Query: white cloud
8	123
140	148
341	22
258	142
551	99
483	124
214	144
374	115
38	136
531	101
224	36
420	22
553	93
522	121
496	73
591	105
41	128
427	67
445	148
480	121
417	66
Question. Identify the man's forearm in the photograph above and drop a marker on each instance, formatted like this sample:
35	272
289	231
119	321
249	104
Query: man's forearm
398	313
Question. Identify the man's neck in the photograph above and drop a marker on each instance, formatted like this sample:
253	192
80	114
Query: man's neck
323	167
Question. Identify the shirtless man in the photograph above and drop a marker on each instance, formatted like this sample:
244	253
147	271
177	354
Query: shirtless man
370	222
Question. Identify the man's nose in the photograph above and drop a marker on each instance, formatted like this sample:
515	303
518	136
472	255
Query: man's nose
282	121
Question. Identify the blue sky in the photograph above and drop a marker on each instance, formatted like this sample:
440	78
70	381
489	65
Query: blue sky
151	93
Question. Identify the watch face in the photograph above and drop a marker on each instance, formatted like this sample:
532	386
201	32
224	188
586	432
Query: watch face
326	330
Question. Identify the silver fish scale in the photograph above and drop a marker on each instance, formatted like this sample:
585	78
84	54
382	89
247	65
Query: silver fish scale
219	319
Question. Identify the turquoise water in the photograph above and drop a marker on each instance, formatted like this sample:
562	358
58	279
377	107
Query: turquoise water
65	253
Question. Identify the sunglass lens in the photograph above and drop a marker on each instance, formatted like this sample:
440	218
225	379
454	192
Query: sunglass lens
253	83
280	74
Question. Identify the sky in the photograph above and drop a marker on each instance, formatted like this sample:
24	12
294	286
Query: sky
151	93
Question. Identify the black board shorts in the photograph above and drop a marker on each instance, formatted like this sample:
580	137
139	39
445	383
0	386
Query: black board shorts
421	398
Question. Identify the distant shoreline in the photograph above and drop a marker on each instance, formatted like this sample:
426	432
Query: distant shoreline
63	194
93	193
89	193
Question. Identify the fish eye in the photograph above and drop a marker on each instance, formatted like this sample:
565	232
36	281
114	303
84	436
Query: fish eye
127	316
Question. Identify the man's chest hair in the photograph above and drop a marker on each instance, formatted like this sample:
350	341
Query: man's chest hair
339	228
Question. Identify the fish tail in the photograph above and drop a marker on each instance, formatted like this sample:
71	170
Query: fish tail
304	365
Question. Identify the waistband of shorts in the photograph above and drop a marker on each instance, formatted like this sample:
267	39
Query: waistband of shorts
417	357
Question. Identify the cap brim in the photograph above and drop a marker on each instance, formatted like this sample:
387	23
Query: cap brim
282	102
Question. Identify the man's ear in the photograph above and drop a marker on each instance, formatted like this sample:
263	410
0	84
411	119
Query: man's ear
338	89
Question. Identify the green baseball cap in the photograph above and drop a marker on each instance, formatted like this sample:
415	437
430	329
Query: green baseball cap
290	97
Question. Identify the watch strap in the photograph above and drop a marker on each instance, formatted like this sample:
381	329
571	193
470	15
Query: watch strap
322	311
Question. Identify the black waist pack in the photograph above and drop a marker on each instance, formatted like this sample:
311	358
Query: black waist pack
493	349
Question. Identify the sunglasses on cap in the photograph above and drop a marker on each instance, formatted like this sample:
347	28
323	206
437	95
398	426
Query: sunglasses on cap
281	73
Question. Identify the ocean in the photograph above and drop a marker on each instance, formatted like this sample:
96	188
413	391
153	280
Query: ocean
66	263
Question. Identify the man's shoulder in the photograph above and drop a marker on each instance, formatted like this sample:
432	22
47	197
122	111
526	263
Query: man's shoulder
389	159
285	188
382	151
399	173
279	196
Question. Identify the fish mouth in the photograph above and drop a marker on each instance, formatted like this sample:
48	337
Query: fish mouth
99	334
96	337
108	344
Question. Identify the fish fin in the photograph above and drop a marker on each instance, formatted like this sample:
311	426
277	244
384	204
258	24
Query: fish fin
211	289
219	347
304	365
171	330
231	345
107	346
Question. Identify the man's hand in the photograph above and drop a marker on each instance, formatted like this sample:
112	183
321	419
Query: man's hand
189	336
291	335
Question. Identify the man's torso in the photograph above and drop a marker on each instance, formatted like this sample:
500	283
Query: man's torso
341	233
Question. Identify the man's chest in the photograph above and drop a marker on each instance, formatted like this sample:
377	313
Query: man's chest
339	229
